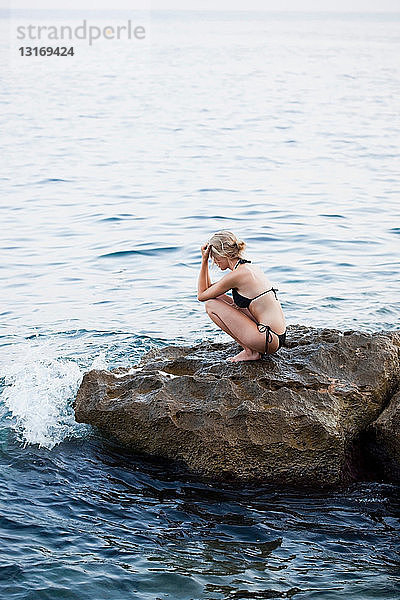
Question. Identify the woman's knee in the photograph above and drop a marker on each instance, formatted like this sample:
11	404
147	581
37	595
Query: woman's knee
211	305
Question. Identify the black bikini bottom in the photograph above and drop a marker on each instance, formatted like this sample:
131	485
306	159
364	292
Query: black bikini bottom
268	336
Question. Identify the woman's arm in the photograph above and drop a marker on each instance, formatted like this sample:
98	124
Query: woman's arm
204	282
217	289
208	280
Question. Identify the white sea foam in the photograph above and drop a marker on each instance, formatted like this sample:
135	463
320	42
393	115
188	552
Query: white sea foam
39	393
100	361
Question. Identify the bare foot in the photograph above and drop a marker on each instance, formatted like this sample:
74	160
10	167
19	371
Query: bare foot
245	355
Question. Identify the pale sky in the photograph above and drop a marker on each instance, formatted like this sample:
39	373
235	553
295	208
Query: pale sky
281	5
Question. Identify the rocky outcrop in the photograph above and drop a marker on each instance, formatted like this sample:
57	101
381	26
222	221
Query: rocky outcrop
296	417
382	441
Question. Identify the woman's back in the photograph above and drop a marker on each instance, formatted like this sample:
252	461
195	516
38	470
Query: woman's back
262	301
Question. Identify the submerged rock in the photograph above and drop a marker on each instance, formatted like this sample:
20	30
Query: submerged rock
295	417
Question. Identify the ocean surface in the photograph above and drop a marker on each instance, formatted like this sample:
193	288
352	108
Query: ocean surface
118	164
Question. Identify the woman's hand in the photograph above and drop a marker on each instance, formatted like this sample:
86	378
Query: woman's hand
205	252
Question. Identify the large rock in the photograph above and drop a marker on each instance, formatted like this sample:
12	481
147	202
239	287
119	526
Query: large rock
382	441
295	417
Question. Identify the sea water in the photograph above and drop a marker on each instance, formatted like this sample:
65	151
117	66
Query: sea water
281	127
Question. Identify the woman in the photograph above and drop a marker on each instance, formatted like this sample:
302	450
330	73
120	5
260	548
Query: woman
253	317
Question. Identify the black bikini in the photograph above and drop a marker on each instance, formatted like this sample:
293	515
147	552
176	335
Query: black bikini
243	302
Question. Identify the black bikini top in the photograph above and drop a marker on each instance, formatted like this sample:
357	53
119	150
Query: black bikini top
242	301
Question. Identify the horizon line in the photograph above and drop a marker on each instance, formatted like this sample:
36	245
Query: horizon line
205	10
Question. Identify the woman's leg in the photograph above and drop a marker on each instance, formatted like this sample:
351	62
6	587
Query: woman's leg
225	298
230	301
246	311
241	328
246	353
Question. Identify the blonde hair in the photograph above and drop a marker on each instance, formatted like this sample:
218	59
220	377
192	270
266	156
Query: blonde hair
225	243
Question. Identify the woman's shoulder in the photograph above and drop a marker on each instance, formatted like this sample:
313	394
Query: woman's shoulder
254	272
254	268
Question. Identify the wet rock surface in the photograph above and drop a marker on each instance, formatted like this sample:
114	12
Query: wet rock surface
298	417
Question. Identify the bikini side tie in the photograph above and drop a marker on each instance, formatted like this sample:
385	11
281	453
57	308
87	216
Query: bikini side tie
268	335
